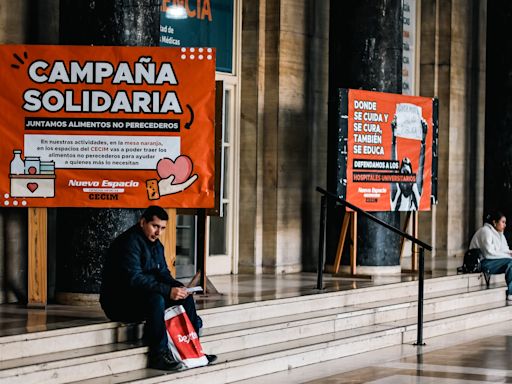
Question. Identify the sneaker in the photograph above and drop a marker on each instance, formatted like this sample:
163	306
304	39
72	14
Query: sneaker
164	362
211	358
509	297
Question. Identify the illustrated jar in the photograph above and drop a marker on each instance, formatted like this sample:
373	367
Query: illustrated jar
32	165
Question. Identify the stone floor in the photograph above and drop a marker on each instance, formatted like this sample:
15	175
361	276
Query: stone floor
474	356
233	289
481	355
487	360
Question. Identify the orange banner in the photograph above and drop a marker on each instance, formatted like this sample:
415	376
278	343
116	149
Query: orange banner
389	151
107	126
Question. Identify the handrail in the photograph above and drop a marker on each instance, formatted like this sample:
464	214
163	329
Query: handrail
423	246
376	219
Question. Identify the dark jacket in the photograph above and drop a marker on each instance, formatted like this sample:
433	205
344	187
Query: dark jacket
133	267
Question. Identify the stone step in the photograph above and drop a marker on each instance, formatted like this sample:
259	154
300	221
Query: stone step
254	315
252	334
44	342
380	357
241	365
77	364
482	315
322	333
284	307
112	360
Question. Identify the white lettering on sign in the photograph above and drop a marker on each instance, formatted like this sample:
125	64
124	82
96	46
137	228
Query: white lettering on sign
96	72
143	71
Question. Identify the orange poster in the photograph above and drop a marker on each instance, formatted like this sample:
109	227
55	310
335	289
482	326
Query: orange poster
389	151
107	126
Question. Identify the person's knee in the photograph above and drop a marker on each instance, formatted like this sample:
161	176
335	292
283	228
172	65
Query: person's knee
190	307
156	301
123	311
508	272
189	302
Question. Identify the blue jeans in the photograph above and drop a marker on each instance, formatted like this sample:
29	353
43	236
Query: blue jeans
151	307
496	266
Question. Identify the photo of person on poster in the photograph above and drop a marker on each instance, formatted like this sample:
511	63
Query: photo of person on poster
408	123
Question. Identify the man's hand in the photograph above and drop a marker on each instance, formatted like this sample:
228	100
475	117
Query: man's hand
393	130
393	125
178	293
424	128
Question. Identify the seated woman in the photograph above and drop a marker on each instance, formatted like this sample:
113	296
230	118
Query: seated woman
493	244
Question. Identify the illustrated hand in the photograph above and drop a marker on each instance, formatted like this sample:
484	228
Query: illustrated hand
178	293
166	187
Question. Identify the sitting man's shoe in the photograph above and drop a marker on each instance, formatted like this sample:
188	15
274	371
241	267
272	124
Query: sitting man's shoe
164	362
487	277
509	297
211	358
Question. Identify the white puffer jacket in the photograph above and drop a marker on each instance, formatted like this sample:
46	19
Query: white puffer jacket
492	243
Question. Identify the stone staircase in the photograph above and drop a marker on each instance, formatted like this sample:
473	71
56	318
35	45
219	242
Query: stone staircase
260	338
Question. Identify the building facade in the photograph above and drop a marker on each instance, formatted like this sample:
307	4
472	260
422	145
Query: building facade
275	118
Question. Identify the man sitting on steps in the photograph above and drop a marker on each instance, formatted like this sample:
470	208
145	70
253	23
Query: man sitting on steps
137	285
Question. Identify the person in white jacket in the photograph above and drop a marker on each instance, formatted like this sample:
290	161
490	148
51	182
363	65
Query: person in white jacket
493	244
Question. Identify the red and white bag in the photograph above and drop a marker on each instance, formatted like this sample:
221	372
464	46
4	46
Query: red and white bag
182	338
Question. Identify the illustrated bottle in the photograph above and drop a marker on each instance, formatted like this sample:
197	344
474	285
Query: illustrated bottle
17	164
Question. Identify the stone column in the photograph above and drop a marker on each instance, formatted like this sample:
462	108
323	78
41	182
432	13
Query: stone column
13	277
16	248
85	234
453	68
498	131
21	22
283	111
365	53
110	22
252	76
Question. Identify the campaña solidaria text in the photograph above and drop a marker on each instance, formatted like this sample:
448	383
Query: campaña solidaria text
99	72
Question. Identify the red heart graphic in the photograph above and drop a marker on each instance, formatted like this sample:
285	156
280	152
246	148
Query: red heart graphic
181	168
32	187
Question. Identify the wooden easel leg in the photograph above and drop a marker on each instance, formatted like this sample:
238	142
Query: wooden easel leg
200	277
415	250
195	282
341	242
353	245
168	239
404	229
350	218
37	256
